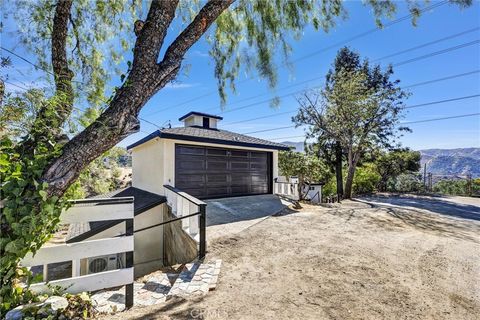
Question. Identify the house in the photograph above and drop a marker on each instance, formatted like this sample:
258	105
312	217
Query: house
199	159
205	161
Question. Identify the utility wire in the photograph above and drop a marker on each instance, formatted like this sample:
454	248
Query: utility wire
444	118
436	53
408	107
378	59
410	122
427	44
338	44
431	54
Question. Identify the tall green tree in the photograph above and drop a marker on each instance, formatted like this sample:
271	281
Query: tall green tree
360	107
79	43
395	162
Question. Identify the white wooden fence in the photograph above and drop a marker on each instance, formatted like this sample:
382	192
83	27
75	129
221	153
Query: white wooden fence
286	189
82	211
192	213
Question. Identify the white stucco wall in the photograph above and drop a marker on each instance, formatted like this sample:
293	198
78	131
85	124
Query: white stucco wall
148	244
153	163
147	164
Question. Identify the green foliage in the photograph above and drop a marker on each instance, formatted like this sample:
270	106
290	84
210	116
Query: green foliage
100	34
359	107
405	182
79	307
393	163
308	168
18	112
451	187
366	179
29	215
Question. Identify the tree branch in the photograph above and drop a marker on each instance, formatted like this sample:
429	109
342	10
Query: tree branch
62	74
144	80
204	19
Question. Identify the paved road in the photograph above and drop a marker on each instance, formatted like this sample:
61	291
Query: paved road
458	207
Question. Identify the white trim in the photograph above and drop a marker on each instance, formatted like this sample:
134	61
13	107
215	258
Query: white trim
91	282
78	250
83	213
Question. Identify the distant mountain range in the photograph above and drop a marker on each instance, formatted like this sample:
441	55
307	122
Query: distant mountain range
444	162
452	162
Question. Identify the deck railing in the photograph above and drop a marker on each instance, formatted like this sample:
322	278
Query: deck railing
286	189
192	213
82	211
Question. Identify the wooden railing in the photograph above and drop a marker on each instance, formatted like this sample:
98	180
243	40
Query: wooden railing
192	213
286	189
82	211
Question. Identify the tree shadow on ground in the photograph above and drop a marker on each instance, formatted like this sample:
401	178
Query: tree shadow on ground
175	308
433	222
438	205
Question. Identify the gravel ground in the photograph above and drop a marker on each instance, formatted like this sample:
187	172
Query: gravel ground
363	259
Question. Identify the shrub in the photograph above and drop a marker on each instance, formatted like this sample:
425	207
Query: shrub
366	178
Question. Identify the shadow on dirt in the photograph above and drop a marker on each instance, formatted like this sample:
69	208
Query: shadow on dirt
438	205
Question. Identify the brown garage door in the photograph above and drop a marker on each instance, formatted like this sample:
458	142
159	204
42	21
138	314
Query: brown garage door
214	172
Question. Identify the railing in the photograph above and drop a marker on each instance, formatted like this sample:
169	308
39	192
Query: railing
82	211
192	213
286	189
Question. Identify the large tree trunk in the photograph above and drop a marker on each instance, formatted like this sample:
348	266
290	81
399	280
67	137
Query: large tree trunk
352	165
145	79
339	168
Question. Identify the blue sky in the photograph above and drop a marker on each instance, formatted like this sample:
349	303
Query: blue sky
441	22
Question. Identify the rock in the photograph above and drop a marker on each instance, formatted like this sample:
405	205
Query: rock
57	302
14	314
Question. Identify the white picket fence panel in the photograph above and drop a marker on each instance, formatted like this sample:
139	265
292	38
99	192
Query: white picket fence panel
82	211
286	189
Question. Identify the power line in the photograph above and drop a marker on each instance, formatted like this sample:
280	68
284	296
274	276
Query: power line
442	101
436	53
442	79
407	107
428	44
410	122
397	64
378	59
39	67
444	118
338	44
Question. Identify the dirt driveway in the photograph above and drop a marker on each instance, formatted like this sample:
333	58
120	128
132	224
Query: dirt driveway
361	260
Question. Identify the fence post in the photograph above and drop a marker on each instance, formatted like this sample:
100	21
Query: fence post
203	226
129	264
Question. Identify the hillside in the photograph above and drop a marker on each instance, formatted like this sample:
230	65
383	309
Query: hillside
458	162
448	162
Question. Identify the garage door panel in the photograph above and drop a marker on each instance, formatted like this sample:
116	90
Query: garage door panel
215	172
217	152
213	164
241	179
259	188
239	190
236	165
190	150
218	192
191	164
217	178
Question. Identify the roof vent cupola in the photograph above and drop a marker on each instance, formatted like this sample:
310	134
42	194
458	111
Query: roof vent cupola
199	119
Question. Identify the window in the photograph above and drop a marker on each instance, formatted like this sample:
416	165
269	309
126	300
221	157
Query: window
206	122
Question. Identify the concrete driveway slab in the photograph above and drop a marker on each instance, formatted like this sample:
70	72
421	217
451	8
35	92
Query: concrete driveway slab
228	216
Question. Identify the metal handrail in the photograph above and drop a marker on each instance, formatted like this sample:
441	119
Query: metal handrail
202	218
184	195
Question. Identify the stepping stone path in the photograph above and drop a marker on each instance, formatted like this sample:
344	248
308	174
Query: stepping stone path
195	279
